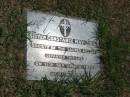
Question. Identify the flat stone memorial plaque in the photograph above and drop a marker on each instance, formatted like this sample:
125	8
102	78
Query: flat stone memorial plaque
60	46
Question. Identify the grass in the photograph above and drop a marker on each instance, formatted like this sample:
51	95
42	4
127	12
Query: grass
113	81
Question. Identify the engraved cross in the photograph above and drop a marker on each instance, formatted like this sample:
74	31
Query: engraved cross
65	25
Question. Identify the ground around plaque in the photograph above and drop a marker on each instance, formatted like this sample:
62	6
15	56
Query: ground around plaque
113	17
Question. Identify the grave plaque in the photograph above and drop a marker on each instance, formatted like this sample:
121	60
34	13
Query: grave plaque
60	46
